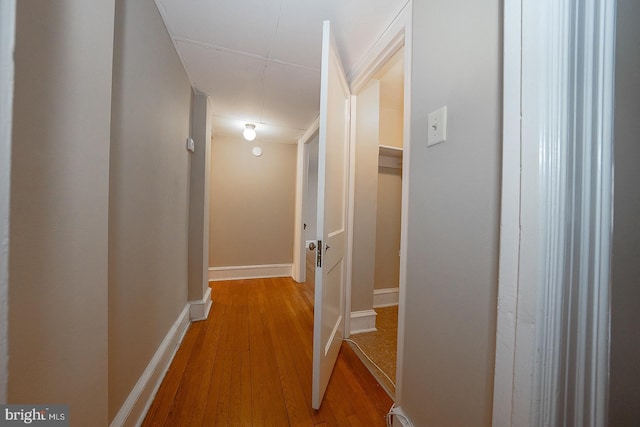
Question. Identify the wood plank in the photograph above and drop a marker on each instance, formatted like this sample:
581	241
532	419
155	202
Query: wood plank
246	417
249	364
267	396
214	411
163	402
377	395
202	374
347	398
298	408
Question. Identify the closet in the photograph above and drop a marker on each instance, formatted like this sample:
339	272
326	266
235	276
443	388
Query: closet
377	220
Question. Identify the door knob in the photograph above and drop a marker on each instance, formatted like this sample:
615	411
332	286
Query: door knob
312	246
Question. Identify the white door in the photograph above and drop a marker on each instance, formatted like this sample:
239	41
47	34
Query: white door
333	160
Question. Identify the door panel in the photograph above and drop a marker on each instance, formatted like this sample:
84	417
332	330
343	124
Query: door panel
333	175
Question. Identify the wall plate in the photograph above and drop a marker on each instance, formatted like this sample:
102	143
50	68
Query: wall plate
437	121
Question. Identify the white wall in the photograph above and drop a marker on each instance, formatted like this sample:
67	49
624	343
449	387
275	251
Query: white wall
59	206
624	393
452	247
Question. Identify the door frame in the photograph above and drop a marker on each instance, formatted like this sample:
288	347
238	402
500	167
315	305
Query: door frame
7	44
396	36
556	215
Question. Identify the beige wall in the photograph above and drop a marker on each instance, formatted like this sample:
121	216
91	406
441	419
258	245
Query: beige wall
454	192
199	192
311	196
252	203
366	195
387	265
7	37
389	206
59	206
391	126
625	268
149	180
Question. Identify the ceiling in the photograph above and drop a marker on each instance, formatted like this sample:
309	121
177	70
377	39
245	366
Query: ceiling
259	60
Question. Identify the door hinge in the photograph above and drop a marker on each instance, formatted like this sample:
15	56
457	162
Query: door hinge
319	254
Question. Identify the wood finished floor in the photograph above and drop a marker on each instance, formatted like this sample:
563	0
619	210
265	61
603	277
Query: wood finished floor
249	364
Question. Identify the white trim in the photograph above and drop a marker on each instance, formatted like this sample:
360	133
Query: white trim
249	272
575	141
7	43
503	388
363	321
553	308
351	202
135	408
308	135
404	223
392	39
199	310
387	297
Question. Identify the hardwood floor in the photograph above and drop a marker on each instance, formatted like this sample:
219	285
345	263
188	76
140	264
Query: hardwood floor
249	364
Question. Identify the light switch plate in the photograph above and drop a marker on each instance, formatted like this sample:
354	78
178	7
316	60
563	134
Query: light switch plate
191	145
437	121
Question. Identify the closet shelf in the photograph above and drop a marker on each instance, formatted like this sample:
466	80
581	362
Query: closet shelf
388	151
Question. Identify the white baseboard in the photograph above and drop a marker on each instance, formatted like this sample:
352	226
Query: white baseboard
385	297
199	310
249	272
362	321
135	408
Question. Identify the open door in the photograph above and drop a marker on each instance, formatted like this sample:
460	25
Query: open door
333	161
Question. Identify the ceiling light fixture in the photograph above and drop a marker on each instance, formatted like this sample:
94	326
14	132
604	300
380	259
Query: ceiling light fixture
249	132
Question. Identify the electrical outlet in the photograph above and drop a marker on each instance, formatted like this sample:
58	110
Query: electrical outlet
437	122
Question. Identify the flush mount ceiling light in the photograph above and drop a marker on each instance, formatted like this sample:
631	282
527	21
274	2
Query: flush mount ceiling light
249	132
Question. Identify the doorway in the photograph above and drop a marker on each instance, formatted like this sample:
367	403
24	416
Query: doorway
375	279
310	214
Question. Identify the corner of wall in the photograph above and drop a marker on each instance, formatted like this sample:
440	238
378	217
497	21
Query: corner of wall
199	310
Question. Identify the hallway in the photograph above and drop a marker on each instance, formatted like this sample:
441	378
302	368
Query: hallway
249	364
100	191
